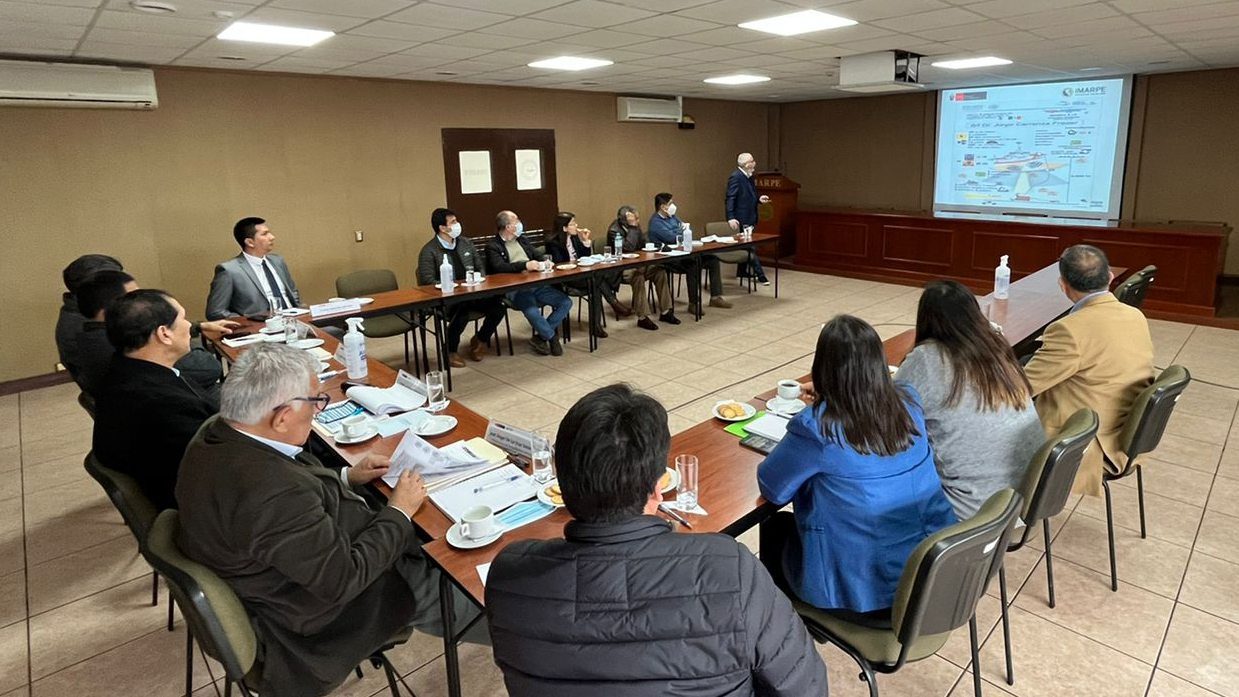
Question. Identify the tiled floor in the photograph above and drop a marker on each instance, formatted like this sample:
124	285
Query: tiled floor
75	614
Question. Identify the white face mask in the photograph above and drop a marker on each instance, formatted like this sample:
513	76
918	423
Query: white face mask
454	231
670	210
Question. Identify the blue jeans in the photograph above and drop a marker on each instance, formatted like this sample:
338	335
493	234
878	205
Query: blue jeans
753	267
531	300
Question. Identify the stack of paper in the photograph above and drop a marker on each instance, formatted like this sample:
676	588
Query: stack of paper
768	426
439	467
498	489
386	400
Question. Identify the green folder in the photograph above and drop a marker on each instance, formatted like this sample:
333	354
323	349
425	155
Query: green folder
737	429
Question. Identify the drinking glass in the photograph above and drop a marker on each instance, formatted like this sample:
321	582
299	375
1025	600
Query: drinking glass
291	330
436	395
546	264
679	241
686	491
606	254
541	453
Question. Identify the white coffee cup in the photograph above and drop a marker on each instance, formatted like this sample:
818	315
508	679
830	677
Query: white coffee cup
788	389
275	324
478	523
649	246
354	426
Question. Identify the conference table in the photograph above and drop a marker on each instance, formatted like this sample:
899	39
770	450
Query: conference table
432	298
727	480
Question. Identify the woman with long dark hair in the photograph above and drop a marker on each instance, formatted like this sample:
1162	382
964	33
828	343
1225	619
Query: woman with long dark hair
860	470
569	242
978	405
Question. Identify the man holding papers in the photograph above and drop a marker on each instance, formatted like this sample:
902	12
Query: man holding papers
327	579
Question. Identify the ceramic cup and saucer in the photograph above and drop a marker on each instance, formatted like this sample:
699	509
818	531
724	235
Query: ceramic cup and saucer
477	528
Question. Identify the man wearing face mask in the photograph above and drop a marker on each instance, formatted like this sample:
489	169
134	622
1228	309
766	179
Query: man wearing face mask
663	229
459	251
741	203
509	252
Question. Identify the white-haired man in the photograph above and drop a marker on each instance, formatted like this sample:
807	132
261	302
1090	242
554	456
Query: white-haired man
328	578
741	203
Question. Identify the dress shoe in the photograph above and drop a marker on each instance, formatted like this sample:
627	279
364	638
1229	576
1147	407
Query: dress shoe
668	317
557	349
647	323
693	309
457	360
718	301
764	281
599	332
621	310
540	346
477	349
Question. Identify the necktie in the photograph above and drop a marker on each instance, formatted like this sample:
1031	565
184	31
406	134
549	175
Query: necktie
274	286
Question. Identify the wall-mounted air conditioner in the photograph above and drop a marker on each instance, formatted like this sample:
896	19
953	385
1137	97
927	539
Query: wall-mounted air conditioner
651	109
34	83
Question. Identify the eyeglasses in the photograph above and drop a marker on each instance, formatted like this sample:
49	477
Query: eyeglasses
320	400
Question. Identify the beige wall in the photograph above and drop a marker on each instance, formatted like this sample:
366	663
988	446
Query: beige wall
877	152
318	157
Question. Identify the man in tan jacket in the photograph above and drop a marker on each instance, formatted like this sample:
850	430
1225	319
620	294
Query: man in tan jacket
1099	356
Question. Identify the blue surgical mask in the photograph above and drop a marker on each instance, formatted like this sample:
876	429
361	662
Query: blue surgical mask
520	228
523	513
454	232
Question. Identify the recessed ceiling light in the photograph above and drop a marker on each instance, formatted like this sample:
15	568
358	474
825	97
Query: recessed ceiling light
445	72
156	8
736	79
798	23
570	63
963	63
273	34
1089	70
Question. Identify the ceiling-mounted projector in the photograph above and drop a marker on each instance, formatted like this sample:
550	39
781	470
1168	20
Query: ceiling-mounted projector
884	71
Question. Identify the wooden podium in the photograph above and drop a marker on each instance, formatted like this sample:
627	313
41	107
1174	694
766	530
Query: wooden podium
779	216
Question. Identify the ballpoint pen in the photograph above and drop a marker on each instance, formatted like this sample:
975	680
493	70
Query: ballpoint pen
491	485
678	518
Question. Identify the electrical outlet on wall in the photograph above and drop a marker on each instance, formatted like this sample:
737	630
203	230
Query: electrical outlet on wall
359	235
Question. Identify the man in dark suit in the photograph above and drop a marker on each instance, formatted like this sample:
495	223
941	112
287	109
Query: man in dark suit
741	202
254	281
145	411
509	252
69	321
326	578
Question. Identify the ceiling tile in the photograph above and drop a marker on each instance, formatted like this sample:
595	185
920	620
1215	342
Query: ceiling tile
512	7
409	62
345	42
369	70
780	44
303	20
74	3
447	52
1068	15
400	30
665	61
340	54
35	46
247	49
1010	8
144	38
592	13
1149	5
737	11
882	43
352	8
1182	14
52	14
126	52
715	53
10	31
192	9
666	47
663	5
606	38
460	19
309	65
834	37
526	28
1096	27
868	10
492	41
970	30
728	36
819	53
929	20
668	25
137	21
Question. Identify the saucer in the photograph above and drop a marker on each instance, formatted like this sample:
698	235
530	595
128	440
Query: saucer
784	407
630	255
366	435
544	497
566	267
456	539
436	425
749	410
272	330
307	343
364	301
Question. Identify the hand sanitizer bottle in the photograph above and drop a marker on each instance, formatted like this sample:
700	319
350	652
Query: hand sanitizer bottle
688	238
355	350
1002	279
446	282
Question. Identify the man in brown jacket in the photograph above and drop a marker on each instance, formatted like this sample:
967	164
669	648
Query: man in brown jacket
1099	356
326	578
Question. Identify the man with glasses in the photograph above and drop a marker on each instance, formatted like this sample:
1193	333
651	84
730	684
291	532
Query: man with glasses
146	412
327	578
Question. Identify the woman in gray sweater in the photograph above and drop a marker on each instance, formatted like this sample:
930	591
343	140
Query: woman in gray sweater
978	404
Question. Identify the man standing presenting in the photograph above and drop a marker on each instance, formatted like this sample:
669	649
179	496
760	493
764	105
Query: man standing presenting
741	202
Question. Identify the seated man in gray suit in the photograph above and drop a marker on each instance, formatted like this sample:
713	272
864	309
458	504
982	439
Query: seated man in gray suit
327	578
254	281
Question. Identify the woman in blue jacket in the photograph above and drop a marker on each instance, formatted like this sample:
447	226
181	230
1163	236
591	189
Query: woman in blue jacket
859	469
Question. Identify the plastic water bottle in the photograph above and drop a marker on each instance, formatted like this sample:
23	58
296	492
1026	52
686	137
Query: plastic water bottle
619	244
1002	279
355	350
688	238
446	282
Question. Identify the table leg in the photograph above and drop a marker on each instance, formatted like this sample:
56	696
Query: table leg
592	290
776	270
444	361
695	277
450	658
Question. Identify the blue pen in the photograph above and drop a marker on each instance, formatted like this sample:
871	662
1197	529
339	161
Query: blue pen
491	485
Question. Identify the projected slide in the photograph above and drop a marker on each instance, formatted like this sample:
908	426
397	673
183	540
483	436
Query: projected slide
1050	147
